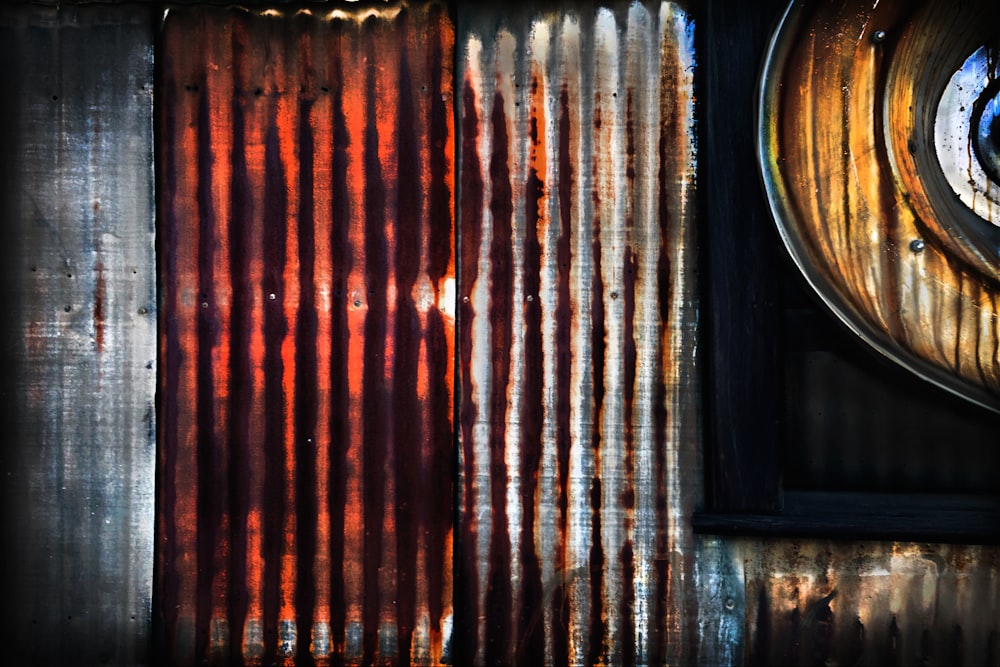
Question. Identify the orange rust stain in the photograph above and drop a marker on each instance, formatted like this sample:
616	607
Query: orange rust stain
189	302
254	149
218	89
286	120
354	519
320	121
538	156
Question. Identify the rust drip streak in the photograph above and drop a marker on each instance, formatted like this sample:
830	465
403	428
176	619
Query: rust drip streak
306	385
531	648
208	466
598	628
293	231
563	353
374	450
340	394
439	337
498	596
467	588
406	411
275	329
100	294
670	127
241	373
168	372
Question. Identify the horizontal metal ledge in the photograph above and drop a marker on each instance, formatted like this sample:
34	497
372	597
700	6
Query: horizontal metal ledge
938	518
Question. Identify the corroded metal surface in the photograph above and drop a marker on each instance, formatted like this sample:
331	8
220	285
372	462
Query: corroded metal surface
867	603
78	295
577	336
854	95
307	336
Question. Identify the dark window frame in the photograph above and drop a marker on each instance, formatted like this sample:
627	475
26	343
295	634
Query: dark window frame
744	267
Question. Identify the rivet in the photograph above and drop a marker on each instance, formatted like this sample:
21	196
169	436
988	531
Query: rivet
204	304
878	36
614	295
917	245
143	310
465	299
730	603
531	298
357	303
272	296
68	308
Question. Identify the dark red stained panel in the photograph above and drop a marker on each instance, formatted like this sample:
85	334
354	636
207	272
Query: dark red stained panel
306	336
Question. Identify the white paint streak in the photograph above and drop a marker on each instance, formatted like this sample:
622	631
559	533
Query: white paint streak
581	462
642	61
480	365
610	175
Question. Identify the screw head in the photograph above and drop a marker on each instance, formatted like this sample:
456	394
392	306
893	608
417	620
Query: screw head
878	36
917	245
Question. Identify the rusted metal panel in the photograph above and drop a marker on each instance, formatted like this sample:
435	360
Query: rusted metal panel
78	295
577	336
872	603
307	335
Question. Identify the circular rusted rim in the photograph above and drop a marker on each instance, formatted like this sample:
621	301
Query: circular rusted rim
767	143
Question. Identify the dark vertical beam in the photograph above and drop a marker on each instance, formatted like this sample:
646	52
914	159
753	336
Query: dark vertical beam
741	263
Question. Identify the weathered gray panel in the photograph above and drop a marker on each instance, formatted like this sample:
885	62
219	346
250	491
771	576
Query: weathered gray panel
79	295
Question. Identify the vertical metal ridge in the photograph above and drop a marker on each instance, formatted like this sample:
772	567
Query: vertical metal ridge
308	327
578	328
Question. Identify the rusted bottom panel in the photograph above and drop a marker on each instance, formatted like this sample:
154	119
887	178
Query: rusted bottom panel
871	603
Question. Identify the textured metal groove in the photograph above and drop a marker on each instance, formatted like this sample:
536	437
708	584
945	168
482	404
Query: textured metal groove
78	295
577	335
307	338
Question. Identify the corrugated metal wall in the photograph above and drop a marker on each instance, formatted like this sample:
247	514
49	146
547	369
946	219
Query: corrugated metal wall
577	332
79	348
306	335
311	328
